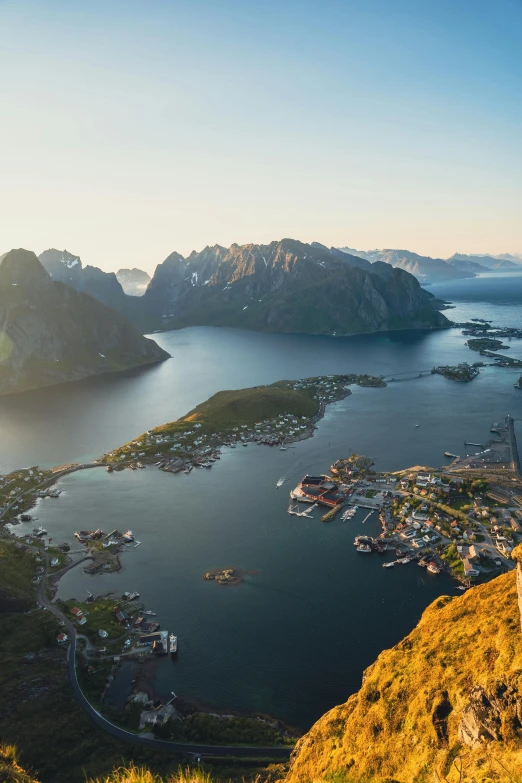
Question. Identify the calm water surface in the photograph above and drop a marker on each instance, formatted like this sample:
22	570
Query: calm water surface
294	638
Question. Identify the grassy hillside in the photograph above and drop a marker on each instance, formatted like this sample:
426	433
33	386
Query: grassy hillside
228	409
403	724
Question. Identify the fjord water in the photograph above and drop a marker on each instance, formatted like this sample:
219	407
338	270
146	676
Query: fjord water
294	638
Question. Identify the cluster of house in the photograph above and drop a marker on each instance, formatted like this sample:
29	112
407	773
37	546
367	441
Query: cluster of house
154	713
416	529
470	558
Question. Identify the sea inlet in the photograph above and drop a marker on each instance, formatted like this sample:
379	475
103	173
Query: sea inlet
294	638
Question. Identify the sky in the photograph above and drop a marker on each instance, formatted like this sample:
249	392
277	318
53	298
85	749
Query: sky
132	129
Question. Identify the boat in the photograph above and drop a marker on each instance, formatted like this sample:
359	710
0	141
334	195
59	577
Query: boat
280	482
282	448
405	560
150	613
173	644
127	537
418	425
364	548
449	454
109	468
433	568
188	468
388	565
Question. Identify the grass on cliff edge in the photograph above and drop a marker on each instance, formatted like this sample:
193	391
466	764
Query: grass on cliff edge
403	723
12	772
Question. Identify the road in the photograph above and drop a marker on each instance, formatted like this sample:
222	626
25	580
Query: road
195	751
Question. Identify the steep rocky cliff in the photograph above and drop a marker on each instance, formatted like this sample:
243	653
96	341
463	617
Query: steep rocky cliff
286	286
443	704
50	333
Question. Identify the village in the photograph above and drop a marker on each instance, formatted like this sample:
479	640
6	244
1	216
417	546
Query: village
464	519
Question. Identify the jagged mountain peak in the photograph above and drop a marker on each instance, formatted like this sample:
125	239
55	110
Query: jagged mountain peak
22	267
286	286
61	264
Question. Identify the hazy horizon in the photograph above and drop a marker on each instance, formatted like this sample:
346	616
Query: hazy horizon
150	268
133	130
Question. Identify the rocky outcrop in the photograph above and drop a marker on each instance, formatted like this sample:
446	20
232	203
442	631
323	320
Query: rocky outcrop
50	333
517	557
493	713
286	286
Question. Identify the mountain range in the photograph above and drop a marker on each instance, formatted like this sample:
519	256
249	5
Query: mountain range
285	286
436	270
50	332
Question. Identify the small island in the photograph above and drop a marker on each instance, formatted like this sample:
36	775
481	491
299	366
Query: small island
225	576
486	344
462	373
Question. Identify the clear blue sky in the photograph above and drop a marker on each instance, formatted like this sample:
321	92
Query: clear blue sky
132	129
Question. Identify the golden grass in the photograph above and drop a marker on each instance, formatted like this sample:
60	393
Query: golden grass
386	731
133	774
10	770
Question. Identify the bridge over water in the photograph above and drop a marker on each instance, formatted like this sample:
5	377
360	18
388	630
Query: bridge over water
406	376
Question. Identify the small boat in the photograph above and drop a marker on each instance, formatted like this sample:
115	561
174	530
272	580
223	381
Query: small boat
405	560
418	425
461	587
150	613
364	548
449	454
173	644
280	482
388	565
282	448
188	468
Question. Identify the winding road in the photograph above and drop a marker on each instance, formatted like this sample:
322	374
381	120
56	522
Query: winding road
194	751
